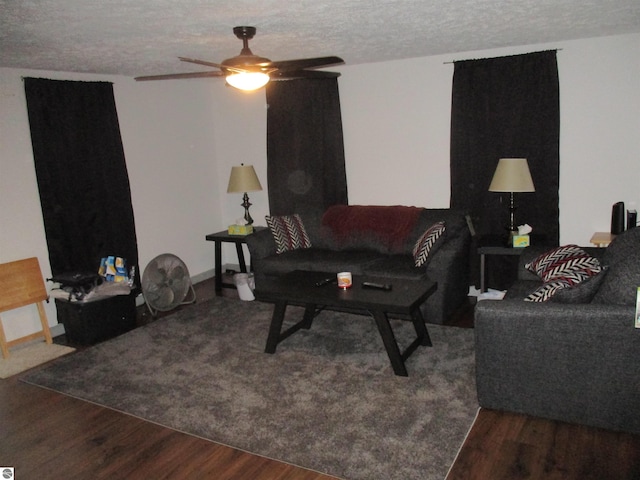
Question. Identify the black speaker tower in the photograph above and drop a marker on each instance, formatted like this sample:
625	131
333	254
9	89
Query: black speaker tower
617	218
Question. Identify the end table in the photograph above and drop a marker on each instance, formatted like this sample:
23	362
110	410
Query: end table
238	240
497	245
483	251
602	239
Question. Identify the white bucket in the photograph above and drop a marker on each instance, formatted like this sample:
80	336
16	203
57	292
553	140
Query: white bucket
244	282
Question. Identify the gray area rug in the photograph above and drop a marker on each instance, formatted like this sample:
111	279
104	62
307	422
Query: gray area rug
326	400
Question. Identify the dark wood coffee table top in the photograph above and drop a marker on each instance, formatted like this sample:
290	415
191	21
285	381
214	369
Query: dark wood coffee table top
311	290
300	287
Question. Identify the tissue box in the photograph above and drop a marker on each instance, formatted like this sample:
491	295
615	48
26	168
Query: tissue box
240	229
520	241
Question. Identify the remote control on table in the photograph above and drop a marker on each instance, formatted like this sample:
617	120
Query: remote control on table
377	286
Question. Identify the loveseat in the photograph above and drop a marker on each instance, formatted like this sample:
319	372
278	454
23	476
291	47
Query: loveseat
572	356
372	240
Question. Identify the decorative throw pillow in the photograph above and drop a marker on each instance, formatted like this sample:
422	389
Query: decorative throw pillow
562	268
568	262
288	232
547	290
427	243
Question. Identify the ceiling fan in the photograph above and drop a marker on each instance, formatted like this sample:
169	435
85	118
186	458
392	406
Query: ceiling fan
247	71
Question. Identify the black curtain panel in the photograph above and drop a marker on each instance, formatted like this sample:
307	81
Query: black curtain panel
506	107
81	172
305	151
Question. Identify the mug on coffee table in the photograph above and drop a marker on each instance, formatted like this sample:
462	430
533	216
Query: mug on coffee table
345	280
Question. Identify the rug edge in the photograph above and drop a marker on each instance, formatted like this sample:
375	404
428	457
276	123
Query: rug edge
240	449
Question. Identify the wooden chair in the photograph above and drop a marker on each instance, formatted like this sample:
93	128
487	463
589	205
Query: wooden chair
21	284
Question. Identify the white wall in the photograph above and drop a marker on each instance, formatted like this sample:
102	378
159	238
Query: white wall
170	149
397	123
182	137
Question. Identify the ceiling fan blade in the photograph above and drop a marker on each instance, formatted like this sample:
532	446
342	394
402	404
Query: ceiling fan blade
212	64
201	62
278	75
304	63
171	76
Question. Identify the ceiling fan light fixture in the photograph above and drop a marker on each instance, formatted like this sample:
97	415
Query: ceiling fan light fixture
248	81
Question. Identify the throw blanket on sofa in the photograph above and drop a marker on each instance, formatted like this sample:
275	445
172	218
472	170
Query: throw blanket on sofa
390	224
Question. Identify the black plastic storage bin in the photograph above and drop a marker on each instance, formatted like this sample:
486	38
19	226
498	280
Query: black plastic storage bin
87	323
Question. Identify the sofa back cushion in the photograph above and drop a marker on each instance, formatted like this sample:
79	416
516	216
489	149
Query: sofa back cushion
622	257
384	229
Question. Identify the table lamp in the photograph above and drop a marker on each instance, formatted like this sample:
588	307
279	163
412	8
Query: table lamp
243	179
512	175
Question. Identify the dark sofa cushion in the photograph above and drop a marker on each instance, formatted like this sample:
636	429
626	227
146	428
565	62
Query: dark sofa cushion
583	292
395	266
319	234
622	257
319	260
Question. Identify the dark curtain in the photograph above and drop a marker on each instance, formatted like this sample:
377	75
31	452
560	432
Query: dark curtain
81	172
305	151
506	107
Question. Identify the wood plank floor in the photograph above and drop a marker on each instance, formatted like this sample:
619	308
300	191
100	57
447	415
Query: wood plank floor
45	435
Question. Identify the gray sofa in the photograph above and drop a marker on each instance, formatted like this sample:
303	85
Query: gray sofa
367	248
573	357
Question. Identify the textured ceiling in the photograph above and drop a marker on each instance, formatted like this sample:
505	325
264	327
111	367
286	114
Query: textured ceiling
144	37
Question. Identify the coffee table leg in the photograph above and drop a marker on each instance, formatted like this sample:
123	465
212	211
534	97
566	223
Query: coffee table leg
390	343
276	326
421	328
309	315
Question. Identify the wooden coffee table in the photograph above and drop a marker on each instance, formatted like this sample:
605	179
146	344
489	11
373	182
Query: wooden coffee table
300	288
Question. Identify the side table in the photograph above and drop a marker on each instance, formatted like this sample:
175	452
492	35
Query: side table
483	251
497	245
602	239
239	240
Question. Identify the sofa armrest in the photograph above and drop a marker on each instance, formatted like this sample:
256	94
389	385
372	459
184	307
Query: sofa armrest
450	268
575	363
261	244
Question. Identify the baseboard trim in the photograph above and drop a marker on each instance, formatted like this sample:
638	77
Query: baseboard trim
201	277
57	330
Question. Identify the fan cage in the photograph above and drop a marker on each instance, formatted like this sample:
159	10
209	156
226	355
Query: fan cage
166	284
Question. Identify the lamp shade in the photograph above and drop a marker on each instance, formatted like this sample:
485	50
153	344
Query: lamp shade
512	175
248	81
243	179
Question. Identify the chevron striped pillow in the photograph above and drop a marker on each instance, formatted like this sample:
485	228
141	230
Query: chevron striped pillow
560	268
569	261
288	232
546	291
426	243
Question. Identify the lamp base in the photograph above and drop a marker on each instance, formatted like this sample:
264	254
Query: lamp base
246	204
